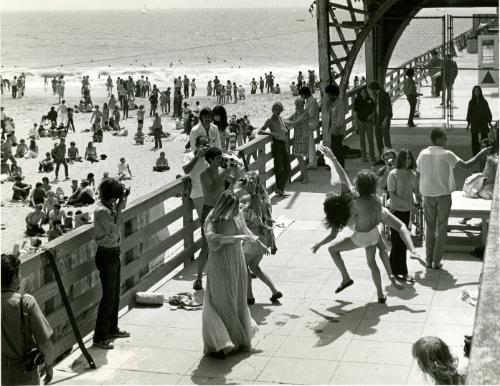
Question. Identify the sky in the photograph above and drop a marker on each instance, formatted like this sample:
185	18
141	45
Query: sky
54	5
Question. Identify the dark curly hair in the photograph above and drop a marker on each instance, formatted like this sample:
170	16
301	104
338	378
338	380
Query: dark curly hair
366	183
10	269
337	209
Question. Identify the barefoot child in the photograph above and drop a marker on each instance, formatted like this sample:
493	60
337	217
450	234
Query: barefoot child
359	209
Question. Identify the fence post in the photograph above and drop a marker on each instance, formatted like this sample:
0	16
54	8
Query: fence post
187	218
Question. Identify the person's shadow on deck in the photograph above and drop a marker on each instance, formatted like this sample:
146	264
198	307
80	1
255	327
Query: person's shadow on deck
214	371
332	329
446	281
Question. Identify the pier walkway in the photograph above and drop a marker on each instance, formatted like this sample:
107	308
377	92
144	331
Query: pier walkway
314	336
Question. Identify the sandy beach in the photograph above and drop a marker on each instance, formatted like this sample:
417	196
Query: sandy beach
37	102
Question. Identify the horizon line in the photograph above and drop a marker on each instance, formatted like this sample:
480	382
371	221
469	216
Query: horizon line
148	9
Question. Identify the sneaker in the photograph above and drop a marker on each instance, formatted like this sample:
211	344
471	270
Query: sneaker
198	285
104	344
411	125
119	334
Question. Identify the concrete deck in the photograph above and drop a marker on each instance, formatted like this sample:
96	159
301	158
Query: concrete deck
314	336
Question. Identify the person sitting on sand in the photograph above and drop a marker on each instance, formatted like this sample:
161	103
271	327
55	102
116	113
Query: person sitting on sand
139	137
34	221
47	164
21	149
20	190
52	130
48	205
32	150
55	230
81	218
124	172
161	163
57	214
42	132
73	155
38	195
46	184
33	133
61	131
277	89
83	196
91	153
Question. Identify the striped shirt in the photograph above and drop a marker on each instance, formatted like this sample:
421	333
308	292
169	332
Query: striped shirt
106	232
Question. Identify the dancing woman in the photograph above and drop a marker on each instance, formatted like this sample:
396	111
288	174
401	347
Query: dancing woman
360	210
257	214
226	320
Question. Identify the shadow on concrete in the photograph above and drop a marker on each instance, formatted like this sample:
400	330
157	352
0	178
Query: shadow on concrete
334	328
80	366
213	371
444	282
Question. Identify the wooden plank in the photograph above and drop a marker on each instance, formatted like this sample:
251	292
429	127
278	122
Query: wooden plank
49	290
157	196
339	43
83	301
335	24
338	60
347	25
350	8
148	281
164	221
353	15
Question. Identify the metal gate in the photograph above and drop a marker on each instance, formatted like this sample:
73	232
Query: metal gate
472	52
422	37
449	56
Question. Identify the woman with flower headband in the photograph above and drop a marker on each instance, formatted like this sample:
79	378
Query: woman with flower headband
257	214
227	323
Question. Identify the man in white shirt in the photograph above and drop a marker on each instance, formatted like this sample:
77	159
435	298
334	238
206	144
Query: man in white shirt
206	128
436	183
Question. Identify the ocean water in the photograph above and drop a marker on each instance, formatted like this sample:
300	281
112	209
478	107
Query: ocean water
230	42
235	44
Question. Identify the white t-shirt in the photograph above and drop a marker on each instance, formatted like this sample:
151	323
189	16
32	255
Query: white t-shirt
435	165
200	166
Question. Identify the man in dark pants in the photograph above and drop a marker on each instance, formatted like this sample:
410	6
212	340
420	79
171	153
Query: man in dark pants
279	147
410	90
336	121
59	155
107	216
383	114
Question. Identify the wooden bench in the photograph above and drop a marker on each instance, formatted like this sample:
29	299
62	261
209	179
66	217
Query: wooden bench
473	208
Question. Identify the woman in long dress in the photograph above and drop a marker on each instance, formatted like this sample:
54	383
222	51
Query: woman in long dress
227	323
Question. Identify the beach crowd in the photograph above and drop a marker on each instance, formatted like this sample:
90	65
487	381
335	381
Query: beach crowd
237	229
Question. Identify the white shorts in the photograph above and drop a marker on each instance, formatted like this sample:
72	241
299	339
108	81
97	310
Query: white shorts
365	239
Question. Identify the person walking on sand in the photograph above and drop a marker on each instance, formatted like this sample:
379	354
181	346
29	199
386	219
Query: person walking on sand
193	87
63	112
157	131
59	155
185	83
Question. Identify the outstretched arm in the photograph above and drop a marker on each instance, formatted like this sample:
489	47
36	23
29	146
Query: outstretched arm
326	240
336	168
392	221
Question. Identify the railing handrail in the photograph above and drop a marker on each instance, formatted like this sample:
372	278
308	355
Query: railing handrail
485	350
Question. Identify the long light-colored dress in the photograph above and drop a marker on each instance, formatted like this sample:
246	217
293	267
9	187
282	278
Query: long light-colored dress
227	322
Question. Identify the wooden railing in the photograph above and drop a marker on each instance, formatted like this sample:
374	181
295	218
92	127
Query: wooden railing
485	352
152	243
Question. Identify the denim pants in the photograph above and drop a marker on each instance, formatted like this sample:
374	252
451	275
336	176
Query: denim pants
366	132
282	167
108	263
383	136
412	100
436	213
